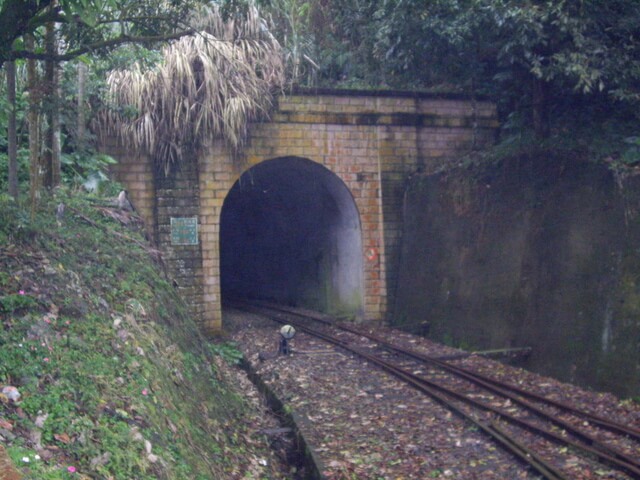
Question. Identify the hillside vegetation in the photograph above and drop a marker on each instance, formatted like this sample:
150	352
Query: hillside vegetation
103	374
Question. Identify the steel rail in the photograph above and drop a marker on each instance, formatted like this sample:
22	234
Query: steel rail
593	418
602	452
614	459
629	464
501	387
510	444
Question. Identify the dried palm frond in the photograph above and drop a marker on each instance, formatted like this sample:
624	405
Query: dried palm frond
209	85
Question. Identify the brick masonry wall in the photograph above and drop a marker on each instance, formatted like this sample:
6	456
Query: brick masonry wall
178	196
157	198
136	173
327	144
373	143
217	171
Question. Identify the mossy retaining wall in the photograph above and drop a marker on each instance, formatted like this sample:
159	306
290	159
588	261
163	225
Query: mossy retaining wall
540	252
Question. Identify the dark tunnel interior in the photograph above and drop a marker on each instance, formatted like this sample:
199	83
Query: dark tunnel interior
290	232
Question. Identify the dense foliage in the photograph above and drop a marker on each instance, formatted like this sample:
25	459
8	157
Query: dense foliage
551	66
90	25
541	61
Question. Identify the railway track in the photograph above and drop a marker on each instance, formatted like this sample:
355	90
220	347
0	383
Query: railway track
554	438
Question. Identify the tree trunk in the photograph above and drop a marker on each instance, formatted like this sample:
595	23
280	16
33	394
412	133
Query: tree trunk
34	128
539	108
12	140
51	155
81	119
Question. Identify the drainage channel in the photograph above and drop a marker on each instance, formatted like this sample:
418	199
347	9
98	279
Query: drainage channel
300	453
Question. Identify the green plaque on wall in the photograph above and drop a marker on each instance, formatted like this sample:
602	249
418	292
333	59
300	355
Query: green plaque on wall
184	230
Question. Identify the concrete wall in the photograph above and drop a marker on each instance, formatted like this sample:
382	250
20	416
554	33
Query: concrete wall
538	252
372	141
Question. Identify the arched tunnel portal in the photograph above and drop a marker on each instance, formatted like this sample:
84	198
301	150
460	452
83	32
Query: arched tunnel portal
322	233
290	232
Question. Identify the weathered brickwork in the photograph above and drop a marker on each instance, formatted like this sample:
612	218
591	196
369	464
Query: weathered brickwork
372	142
178	195
136	173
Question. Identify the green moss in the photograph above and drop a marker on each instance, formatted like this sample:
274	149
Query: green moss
106	358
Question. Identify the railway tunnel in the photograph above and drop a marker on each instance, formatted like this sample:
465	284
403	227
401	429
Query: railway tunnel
290	232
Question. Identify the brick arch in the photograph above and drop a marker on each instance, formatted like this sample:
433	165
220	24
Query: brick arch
357	168
290	231
372	141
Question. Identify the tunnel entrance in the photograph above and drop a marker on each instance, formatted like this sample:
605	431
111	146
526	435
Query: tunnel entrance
290	232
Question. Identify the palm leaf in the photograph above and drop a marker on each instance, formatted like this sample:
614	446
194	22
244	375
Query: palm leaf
209	85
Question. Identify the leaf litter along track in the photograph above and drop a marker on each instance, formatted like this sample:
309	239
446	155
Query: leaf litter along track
525	423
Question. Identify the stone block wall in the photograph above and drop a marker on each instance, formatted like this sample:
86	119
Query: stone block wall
217	171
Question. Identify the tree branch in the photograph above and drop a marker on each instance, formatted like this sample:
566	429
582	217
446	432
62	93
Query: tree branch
113	42
137	19
15	19
46	16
